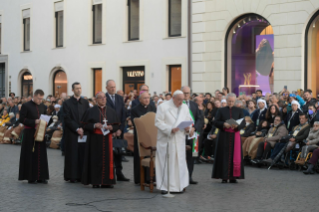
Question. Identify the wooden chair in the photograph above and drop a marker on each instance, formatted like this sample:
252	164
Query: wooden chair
146	139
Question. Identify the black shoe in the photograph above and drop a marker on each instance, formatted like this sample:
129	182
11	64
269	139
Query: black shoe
163	192
124	159
95	186
191	181
224	181
107	186
255	161
32	182
309	171
123	178
72	181
233	181
42	181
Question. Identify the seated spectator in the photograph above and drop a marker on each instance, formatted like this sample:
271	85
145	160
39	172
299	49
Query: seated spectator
312	143
210	143
294	97
240	104
246	132
251	143
251	106
312	114
12	107
259	114
271	113
298	134
5	117
292	119
313	161
12	119
274	135
56	125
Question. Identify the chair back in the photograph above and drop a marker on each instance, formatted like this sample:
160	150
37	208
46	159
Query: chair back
146	132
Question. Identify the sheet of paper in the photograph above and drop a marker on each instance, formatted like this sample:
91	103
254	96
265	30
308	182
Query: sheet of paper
105	131
184	124
239	121
83	139
45	118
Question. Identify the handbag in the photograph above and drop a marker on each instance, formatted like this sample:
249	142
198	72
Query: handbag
119	146
285	139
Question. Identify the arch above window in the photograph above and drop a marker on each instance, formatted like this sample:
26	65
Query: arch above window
249	55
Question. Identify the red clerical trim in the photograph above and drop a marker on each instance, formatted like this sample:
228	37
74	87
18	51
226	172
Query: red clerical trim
98	131
26	127
111	156
103	161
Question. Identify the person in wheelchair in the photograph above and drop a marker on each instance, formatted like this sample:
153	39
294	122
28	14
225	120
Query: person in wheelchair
275	133
56	125
312	143
313	162
294	139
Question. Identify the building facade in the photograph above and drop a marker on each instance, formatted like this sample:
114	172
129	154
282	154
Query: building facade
251	44
51	44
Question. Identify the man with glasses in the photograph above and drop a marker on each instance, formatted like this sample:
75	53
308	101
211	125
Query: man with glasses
143	88
198	125
33	158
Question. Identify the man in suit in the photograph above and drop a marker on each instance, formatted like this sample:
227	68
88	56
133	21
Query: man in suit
135	102
197	127
116	102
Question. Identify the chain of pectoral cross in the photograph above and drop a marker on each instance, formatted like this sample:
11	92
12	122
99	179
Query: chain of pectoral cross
104	116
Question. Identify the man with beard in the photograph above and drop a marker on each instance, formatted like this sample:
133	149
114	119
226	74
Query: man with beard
73	110
141	109
33	158
98	165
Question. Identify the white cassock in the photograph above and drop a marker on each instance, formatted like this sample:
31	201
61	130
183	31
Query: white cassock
168	116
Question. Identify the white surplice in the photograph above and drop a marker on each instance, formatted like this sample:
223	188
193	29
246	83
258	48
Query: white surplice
168	116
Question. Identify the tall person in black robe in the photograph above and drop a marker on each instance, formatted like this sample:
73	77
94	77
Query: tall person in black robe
141	109
73	110
98	165
33	157
225	145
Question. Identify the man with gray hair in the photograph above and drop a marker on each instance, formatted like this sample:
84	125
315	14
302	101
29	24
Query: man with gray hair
141	109
143	88
228	158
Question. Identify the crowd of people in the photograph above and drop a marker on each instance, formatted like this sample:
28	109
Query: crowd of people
279	129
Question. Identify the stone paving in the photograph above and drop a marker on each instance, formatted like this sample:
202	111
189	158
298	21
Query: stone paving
262	190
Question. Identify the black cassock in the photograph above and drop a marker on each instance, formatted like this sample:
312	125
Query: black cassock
73	111
98	164
223	163
33	164
137	112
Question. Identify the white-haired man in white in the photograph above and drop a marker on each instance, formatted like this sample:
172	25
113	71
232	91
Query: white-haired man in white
169	115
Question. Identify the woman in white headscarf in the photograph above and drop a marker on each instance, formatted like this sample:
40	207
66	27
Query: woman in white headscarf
259	114
292	119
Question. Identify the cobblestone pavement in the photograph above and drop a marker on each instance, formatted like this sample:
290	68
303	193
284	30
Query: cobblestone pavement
262	190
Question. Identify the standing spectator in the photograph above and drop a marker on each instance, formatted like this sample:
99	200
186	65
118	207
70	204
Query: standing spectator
309	100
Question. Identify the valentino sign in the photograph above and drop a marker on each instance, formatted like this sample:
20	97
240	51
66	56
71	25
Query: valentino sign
135	74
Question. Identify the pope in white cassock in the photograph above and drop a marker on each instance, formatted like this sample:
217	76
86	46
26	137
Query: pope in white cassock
169	115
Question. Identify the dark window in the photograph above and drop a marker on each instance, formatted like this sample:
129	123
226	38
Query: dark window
26	34
97	80
175	18
27	85
97	23
59	28
133	19
2	79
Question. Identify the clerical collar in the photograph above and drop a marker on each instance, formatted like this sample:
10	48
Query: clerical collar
77	98
102	107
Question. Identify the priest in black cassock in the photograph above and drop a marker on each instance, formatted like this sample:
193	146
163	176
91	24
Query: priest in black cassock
141	109
33	157
99	165
228	163
73	110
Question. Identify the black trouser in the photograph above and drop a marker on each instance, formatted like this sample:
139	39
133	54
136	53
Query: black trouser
263	150
209	147
118	162
189	158
201	140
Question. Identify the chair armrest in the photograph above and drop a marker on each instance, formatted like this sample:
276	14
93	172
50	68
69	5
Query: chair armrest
146	147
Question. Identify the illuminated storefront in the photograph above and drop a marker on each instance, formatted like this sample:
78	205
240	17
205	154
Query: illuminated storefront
133	78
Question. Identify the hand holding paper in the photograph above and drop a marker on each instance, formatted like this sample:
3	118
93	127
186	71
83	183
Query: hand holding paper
184	124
